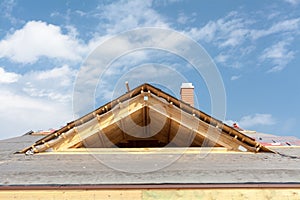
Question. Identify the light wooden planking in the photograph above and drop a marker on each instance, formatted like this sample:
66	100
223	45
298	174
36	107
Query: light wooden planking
71	194
153	194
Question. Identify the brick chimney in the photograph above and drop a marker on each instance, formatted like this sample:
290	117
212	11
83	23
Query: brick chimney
187	93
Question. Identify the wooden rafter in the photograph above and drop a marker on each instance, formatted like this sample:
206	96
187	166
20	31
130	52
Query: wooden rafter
178	114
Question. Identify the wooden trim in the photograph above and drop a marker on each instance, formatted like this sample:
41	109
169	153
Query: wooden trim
155	186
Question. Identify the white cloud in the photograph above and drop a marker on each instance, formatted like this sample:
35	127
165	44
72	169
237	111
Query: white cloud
293	2
229	31
38	39
124	15
257	119
164	75
236	34
288	25
89	74
234	30
251	121
236	37
206	33
30	114
221	58
233	78
279	55
7	7
55	84
65	72
184	19
119	16
8	77
276	51
36	100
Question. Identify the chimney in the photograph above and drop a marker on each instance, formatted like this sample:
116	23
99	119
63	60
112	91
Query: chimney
187	93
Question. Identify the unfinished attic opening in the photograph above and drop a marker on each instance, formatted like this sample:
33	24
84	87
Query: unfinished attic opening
146	117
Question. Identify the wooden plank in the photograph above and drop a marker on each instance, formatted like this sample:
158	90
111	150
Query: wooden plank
72	194
153	194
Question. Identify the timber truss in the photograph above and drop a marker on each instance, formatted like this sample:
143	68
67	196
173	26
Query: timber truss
146	117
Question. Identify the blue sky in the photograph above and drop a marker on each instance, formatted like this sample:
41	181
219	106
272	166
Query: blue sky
254	44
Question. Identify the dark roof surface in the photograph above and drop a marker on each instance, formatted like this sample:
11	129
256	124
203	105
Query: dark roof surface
74	169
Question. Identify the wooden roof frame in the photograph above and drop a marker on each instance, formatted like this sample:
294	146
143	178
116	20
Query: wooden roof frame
219	133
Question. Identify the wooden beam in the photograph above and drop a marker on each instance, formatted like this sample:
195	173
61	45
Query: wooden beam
204	129
178	107
106	120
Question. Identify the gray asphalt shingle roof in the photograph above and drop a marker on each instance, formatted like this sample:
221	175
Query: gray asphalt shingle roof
73	169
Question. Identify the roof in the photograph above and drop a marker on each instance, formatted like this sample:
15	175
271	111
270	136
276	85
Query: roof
191	167
273	140
168	165
146	115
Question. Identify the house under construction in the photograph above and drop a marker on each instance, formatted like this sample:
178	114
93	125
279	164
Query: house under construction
147	144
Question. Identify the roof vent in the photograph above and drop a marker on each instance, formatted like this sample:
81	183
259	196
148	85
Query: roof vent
187	93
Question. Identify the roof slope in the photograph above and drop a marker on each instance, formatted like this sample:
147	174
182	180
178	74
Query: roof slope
146	115
194	168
